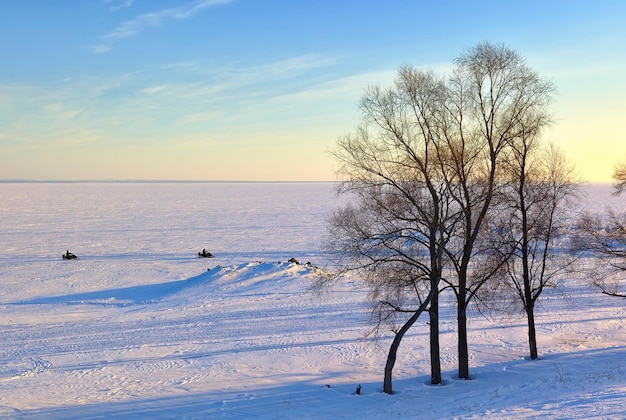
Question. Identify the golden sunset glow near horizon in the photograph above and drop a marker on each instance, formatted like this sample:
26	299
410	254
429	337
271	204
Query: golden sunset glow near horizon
261	90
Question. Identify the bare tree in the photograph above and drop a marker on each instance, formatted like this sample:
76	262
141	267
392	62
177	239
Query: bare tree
619	175
535	226
604	239
394	231
491	92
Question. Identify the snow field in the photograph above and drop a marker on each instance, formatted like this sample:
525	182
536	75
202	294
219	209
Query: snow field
139	328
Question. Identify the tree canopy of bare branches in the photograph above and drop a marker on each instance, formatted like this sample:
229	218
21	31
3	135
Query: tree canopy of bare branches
394	232
604	239
532	227
496	100
423	170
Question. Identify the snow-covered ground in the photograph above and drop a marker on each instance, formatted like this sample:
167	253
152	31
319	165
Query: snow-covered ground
139	326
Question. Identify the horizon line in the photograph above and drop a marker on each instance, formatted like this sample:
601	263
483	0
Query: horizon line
154	181
184	181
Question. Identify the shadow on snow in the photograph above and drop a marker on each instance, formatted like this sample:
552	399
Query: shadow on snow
555	381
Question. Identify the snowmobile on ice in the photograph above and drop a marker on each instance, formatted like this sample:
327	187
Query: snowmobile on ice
69	256
205	254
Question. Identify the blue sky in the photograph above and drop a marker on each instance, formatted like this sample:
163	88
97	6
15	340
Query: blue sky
261	89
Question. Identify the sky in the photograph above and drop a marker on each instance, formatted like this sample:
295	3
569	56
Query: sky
261	90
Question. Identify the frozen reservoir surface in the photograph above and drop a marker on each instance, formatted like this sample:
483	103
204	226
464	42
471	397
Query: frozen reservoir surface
141	327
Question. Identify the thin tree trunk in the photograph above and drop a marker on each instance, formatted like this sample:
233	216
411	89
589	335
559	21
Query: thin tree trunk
393	349
528	298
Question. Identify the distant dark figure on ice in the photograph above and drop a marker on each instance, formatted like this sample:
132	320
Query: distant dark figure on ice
69	256
205	254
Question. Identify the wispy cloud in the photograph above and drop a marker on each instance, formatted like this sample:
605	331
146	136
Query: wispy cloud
155	89
345	87
182	65
180	97
119	4
60	112
100	49
233	78
291	66
131	27
199	117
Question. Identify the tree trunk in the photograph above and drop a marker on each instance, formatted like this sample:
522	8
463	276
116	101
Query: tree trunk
532	335
528	298
462	345
393	349
435	356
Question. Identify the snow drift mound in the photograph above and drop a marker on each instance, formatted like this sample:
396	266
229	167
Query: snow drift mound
257	277
254	278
